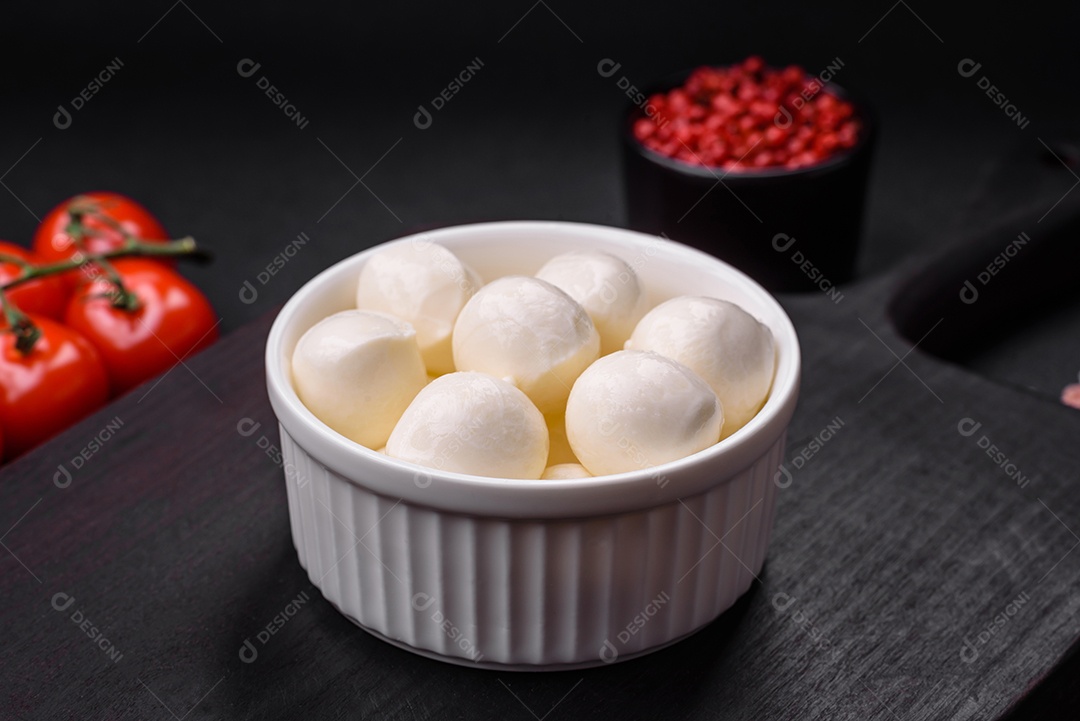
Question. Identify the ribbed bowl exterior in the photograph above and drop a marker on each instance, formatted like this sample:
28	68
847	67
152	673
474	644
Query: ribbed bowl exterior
522	574
529	593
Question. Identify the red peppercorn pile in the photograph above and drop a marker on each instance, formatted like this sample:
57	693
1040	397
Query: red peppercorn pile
749	116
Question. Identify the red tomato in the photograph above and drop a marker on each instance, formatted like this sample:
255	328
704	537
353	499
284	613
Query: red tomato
61	380
45	296
52	243
174	320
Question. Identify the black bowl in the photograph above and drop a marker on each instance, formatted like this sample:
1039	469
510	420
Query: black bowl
789	229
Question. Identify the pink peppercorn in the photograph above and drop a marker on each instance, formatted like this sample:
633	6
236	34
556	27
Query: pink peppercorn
749	116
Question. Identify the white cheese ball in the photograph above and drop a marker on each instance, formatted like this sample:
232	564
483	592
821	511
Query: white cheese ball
719	341
472	423
565	471
425	285
357	371
529	333
606	286
633	409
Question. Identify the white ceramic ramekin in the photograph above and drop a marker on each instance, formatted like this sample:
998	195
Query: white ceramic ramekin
533	575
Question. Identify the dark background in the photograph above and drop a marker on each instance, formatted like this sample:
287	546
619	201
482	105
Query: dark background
532	135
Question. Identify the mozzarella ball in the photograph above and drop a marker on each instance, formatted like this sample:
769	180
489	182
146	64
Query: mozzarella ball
425	285
357	371
472	423
633	409
719	341
606	286
529	333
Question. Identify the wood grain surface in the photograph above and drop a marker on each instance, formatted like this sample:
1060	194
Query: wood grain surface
910	576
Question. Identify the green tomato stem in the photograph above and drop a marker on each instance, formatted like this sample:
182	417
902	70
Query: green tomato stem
171	248
26	333
120	297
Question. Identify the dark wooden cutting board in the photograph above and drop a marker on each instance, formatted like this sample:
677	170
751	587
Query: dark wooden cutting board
910	575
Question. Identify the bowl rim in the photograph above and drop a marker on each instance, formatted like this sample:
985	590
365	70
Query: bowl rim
706	172
527	498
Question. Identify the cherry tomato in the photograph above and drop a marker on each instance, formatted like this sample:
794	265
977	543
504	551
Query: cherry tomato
45	296
52	243
174	319
61	380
